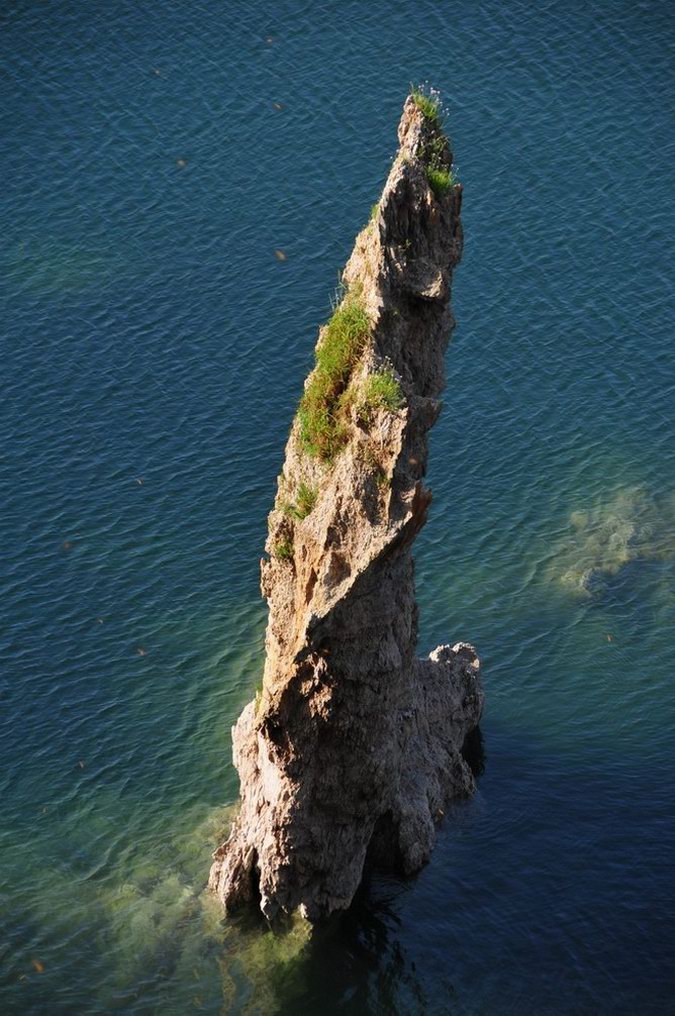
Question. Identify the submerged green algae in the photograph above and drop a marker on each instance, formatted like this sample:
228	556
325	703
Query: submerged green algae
48	265
607	535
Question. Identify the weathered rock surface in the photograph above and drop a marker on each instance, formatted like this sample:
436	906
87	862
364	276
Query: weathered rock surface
354	746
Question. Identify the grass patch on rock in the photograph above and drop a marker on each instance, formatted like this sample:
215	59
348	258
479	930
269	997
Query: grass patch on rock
304	503
430	105
440	180
283	549
380	391
322	426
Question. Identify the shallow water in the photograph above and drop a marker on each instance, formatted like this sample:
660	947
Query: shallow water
154	354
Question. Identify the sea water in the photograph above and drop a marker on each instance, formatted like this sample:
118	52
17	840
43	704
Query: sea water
155	157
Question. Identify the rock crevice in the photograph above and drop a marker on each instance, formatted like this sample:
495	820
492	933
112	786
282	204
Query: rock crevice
354	746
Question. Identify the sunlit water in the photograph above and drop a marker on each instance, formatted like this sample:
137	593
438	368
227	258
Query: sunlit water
154	349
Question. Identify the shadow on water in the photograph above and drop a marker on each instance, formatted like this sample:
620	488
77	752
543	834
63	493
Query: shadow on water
473	752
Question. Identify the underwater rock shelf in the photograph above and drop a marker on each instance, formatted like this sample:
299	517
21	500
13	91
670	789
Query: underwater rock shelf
354	747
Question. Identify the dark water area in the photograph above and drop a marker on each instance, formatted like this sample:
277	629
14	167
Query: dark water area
154	348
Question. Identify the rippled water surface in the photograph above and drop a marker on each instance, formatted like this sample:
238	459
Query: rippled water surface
155	156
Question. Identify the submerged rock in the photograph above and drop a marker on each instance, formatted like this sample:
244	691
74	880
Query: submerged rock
630	526
354	747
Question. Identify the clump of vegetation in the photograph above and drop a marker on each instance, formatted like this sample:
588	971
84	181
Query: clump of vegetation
304	502
322	425
382	480
374	210
435	152
430	104
380	391
440	180
283	549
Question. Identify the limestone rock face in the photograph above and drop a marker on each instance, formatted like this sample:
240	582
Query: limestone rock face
353	747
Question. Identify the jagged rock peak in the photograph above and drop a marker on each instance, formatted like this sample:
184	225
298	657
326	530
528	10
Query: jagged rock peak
354	747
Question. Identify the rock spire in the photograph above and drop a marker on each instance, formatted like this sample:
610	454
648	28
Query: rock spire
354	746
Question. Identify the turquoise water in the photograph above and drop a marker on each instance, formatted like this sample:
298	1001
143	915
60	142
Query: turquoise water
154	351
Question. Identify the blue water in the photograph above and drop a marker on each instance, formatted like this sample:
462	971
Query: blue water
154	349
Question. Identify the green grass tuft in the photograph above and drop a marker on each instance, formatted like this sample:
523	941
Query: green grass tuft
304	502
440	180
283	550
430	107
322	426
383	391
374	210
380	391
